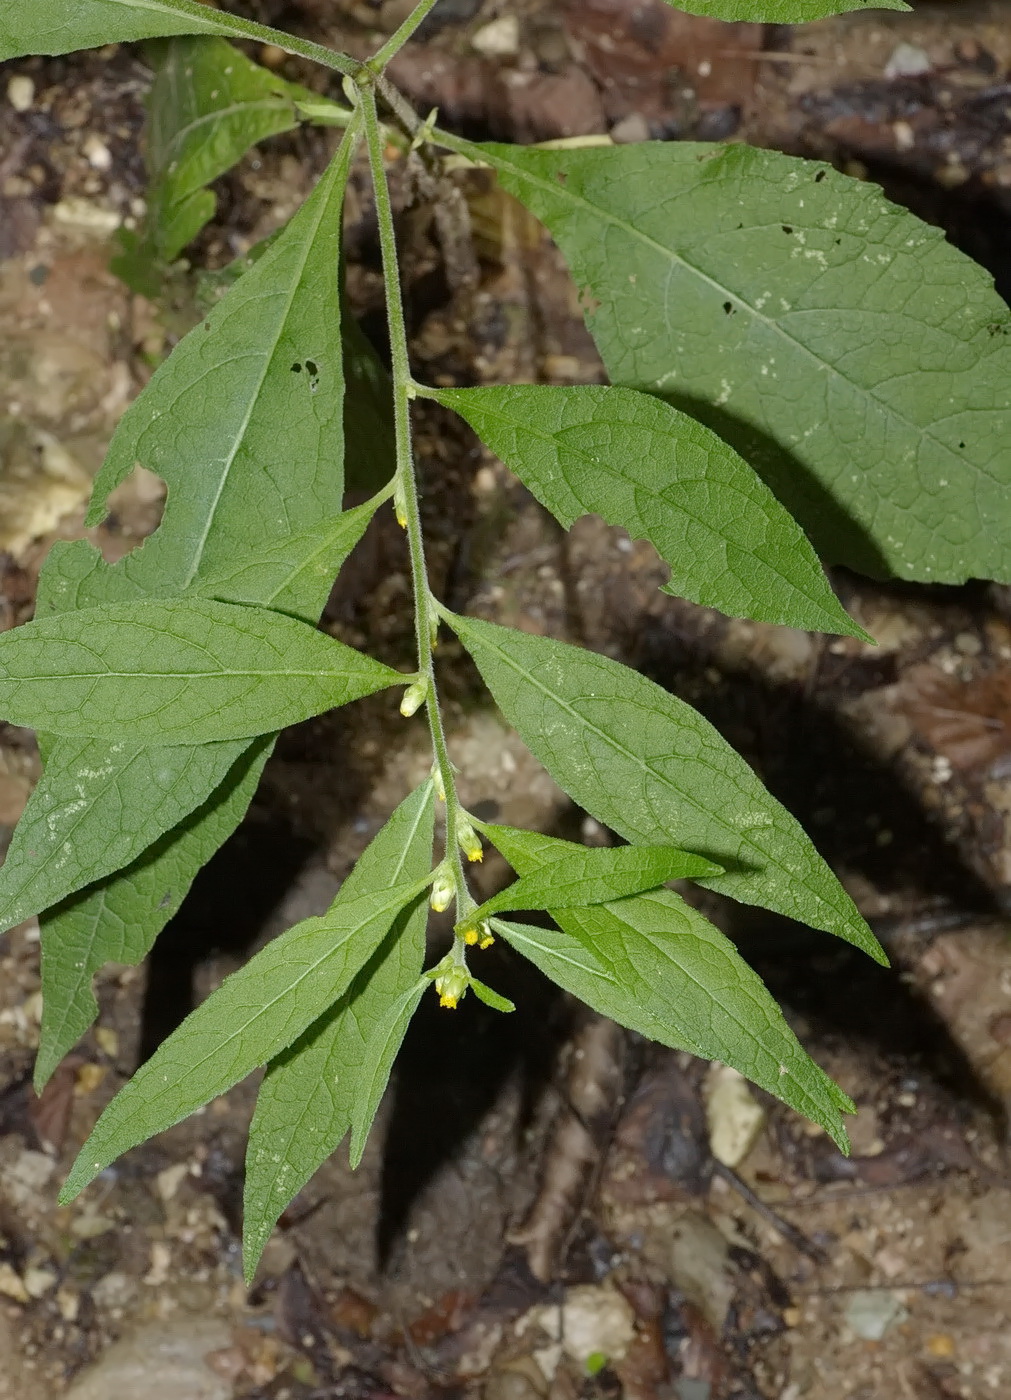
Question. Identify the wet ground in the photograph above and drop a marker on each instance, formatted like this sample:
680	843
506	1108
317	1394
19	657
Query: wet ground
550	1208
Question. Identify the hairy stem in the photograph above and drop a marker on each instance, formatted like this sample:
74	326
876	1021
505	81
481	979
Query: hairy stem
426	615
400	36
288	43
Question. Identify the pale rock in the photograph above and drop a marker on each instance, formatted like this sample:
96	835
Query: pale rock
908	61
592	1320
21	92
870	1312
26	1178
160	1361
169	1180
500	38
39	1281
734	1115
97	153
12	1285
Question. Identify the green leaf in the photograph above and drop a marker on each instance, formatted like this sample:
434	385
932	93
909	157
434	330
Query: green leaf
671	976
253	1015
308	1096
255	395
648	765
60	26
208	105
369	439
593	875
380	1053
663	477
184	670
490	997
119	919
857	360
303	566
92	814
781	11
257	495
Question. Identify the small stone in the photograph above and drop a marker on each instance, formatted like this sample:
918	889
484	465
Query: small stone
907	61
26	1178
271	56
630	130
870	1312
76	212
20	92
107	1039
38	1282
88	1078
169	1180
591	1320
161	1265
89	1225
97	153
69	1304
941	1345
161	1361
735	1117
498	39
12	1285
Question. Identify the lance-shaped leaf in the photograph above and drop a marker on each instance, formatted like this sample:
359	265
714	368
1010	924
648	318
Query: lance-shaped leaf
119	919
369	437
183	670
254	1014
593	875
60	26
291	299
252	391
490	997
377	1064
638	463
671	976
648	765
96	811
782	11
208	105
859	362
684	988
308	1095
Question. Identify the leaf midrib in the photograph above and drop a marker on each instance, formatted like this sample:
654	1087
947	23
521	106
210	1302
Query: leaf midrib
654	495
639	762
172	150
268	360
288	993
597	212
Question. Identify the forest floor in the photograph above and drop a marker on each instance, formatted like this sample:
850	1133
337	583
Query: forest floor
542	1188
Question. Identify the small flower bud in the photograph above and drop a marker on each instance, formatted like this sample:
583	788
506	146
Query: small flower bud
400	506
413	698
469	841
440	786
443	891
452	985
479	935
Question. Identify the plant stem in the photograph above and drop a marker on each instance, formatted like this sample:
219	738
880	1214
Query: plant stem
425	611
400	36
288	43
